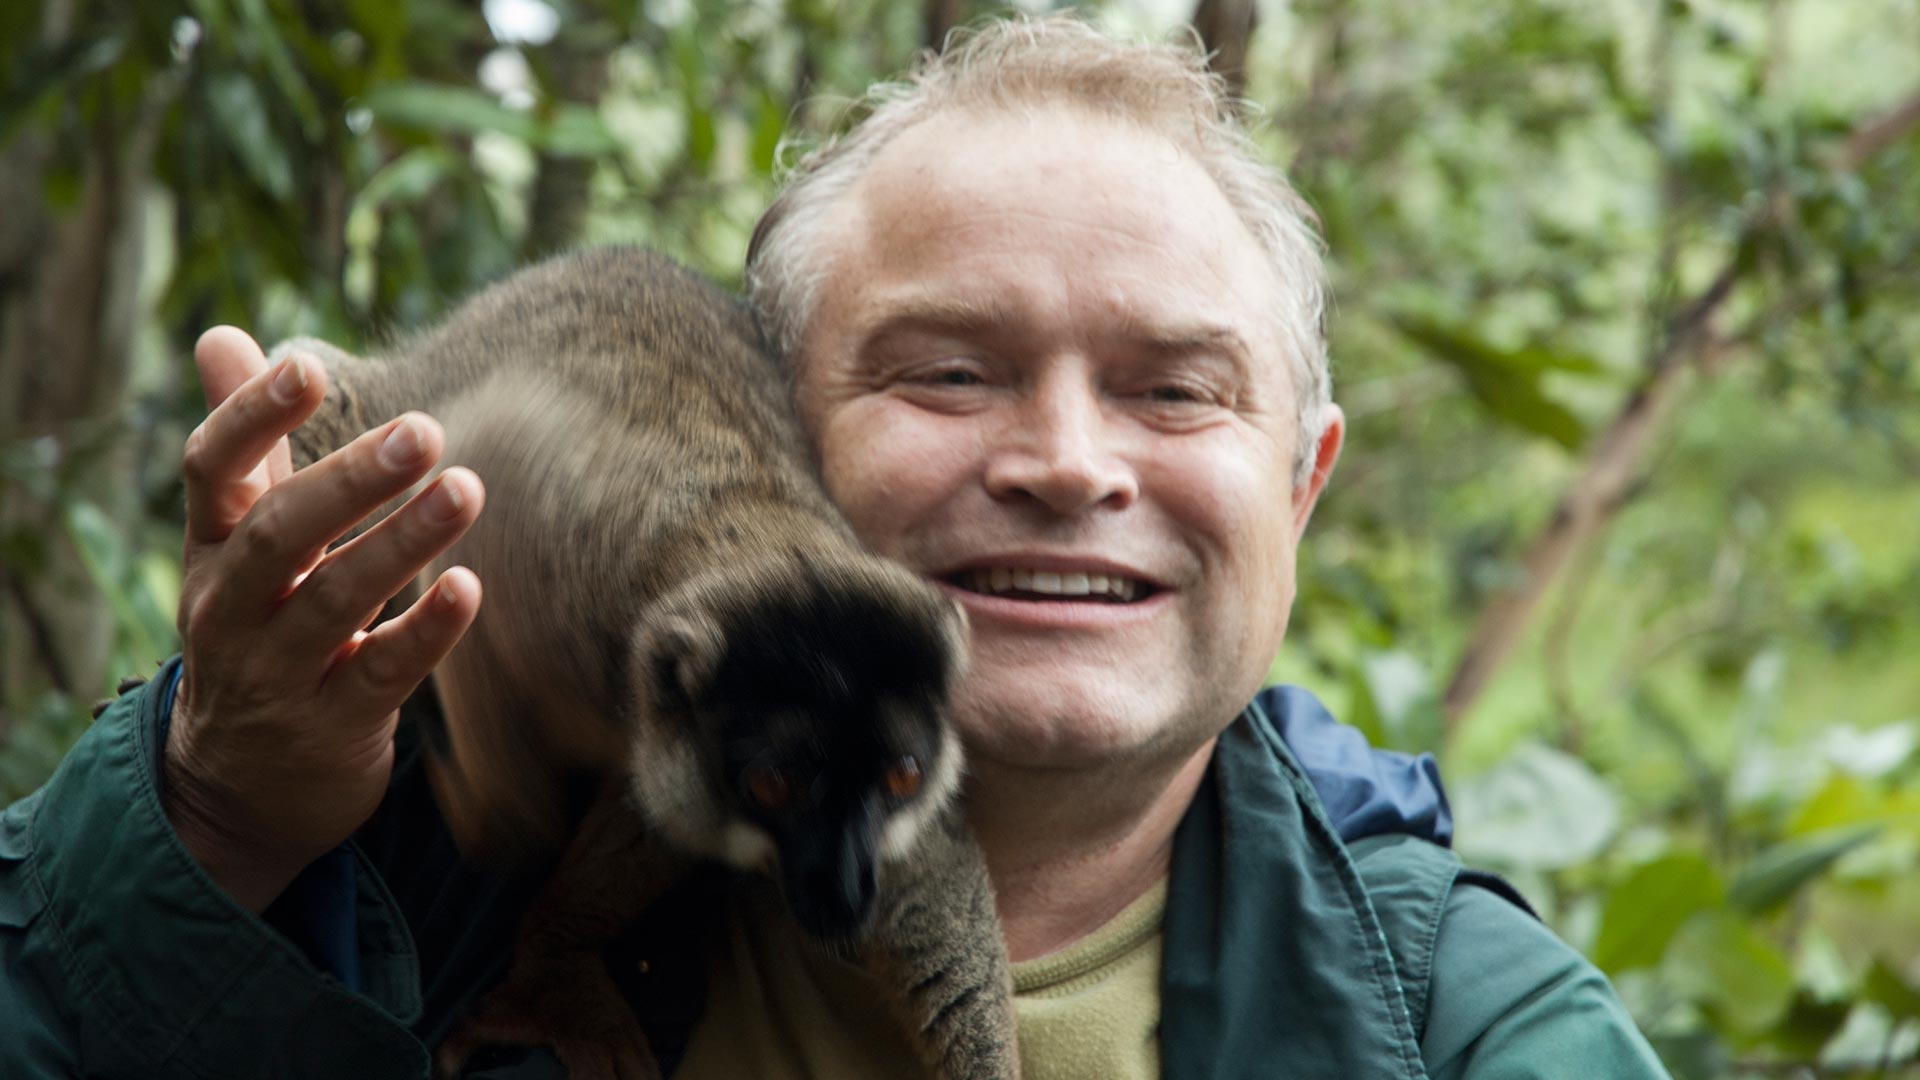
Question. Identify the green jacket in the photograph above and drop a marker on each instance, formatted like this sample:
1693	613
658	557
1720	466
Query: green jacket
1288	952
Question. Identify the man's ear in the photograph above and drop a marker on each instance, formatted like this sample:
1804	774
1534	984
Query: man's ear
1325	453
679	655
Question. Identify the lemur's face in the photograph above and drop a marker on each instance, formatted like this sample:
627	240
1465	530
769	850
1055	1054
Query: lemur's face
825	790
818	709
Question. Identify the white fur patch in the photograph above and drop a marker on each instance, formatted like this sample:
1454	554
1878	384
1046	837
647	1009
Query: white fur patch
665	780
903	831
747	846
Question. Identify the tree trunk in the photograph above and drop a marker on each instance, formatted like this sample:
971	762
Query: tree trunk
563	186
1226	30
69	297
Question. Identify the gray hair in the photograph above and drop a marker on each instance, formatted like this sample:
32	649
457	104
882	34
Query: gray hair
1165	89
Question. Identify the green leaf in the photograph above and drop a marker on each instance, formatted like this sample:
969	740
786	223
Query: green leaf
42	71
1507	381
769	123
1539	809
1777	873
1394	701
263	32
1457	342
1647	909
427	106
1720	961
690	60
577	131
1809	1025
244	124
104	553
1884	987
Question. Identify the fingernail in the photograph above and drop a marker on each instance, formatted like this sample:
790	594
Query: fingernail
444	502
404	444
444	595
290	381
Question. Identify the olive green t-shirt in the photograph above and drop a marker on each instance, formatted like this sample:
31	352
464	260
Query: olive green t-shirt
778	1009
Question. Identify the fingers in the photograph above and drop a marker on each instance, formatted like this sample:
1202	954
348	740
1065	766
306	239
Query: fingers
293	522
348	589
390	661
226	357
253	409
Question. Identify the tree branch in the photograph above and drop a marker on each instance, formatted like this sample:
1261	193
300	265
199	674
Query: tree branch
41	633
941	17
1226	30
1621	450
1591	500
1880	133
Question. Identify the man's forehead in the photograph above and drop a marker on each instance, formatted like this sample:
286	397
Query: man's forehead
984	151
1143	324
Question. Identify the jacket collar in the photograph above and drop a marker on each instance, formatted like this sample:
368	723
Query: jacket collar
1275	961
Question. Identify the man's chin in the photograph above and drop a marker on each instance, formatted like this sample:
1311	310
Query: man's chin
1083	728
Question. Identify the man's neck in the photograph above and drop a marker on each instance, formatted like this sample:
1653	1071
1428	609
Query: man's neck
1068	852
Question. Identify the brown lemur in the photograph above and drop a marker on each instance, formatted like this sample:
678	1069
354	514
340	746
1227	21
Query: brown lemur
673	605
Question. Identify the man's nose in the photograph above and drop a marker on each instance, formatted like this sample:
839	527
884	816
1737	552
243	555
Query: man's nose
1060	450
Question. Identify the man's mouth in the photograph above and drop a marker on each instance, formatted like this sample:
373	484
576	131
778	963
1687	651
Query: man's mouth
1056	585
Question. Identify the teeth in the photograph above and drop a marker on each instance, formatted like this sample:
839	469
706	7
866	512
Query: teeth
1002	579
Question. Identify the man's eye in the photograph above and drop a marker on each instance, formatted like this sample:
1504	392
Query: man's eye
952	377
1173	395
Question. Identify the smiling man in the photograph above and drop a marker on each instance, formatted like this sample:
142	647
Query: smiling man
1055	332
1043	355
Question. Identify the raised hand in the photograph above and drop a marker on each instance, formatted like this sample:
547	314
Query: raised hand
281	741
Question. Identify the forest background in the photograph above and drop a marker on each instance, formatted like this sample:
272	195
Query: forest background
1628	301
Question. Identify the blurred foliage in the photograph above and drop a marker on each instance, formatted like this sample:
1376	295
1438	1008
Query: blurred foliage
1701	760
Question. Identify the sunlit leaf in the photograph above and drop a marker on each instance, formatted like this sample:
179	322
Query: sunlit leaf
1871	753
1395	701
248	132
1538	809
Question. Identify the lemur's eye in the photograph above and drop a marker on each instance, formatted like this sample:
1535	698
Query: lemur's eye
903	777
769	787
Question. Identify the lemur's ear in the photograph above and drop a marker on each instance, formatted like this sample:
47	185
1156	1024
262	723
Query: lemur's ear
680	654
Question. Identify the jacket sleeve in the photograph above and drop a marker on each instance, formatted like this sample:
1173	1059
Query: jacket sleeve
122	959
1507	1000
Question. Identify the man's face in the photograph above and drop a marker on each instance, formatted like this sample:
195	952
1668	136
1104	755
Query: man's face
1044	373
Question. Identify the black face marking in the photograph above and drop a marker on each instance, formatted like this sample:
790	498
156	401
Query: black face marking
829	708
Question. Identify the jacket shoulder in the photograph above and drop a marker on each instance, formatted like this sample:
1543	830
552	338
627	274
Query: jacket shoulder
1510	999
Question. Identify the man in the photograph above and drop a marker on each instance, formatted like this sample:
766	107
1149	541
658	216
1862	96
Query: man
1050	324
